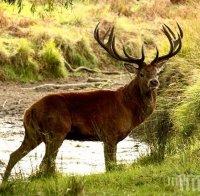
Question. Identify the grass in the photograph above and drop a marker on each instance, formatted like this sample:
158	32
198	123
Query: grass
186	114
37	32
35	46
72	32
53	62
140	178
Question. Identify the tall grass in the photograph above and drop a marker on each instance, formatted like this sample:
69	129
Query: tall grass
52	61
137	179
21	65
72	29
186	114
171	132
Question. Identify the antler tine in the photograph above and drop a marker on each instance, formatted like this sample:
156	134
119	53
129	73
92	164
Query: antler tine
172	33
96	31
142	52
106	46
128	58
132	58
117	54
110	47
111	36
179	43
180	34
110	41
180	30
169	39
176	41
106	34
156	57
175	44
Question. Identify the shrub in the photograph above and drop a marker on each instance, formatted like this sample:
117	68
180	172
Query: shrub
77	54
121	7
53	61
22	64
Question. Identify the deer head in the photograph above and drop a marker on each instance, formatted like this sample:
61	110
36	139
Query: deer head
146	74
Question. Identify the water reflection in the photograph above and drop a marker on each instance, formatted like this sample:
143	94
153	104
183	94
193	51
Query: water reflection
73	157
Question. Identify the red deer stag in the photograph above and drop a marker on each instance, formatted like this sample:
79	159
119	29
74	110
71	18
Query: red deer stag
101	115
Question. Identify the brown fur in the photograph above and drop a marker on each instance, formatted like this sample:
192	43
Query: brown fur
101	115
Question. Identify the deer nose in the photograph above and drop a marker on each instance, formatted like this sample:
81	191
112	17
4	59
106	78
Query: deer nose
154	82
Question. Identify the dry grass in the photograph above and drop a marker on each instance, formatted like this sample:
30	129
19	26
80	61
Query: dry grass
4	20
68	35
72	29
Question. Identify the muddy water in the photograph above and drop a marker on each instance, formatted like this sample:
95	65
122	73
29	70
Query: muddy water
73	157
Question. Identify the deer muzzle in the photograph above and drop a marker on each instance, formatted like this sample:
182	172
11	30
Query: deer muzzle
153	84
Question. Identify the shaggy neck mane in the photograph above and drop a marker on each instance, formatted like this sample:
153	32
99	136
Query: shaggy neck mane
141	103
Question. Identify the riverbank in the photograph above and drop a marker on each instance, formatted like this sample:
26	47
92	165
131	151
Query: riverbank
34	44
142	177
177	175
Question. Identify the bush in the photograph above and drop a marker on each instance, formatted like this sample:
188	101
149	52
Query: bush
76	186
78	53
53	61
22	65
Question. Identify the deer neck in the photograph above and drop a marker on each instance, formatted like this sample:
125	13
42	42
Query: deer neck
140	102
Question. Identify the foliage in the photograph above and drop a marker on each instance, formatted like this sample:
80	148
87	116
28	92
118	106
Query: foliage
187	114
77	54
155	132
48	3
178	1
53	62
138	179
21	65
40	48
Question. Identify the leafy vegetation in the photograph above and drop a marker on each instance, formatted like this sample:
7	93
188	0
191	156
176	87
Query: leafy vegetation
186	114
49	4
53	62
37	46
141	178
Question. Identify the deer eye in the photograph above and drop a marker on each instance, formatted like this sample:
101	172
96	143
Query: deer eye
141	75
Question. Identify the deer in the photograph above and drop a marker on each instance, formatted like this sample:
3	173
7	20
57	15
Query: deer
97	115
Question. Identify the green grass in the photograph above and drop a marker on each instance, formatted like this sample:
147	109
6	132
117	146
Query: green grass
35	52
140	178
186	115
53	62
36	47
72	31
21	66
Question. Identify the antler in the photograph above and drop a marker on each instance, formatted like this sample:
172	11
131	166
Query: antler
175	44
111	49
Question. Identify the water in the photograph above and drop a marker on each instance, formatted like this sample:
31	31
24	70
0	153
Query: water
73	158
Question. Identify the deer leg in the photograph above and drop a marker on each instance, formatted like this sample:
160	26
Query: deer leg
110	151
48	163
26	146
56	131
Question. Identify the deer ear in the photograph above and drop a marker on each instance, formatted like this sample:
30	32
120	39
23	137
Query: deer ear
131	67
161	65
